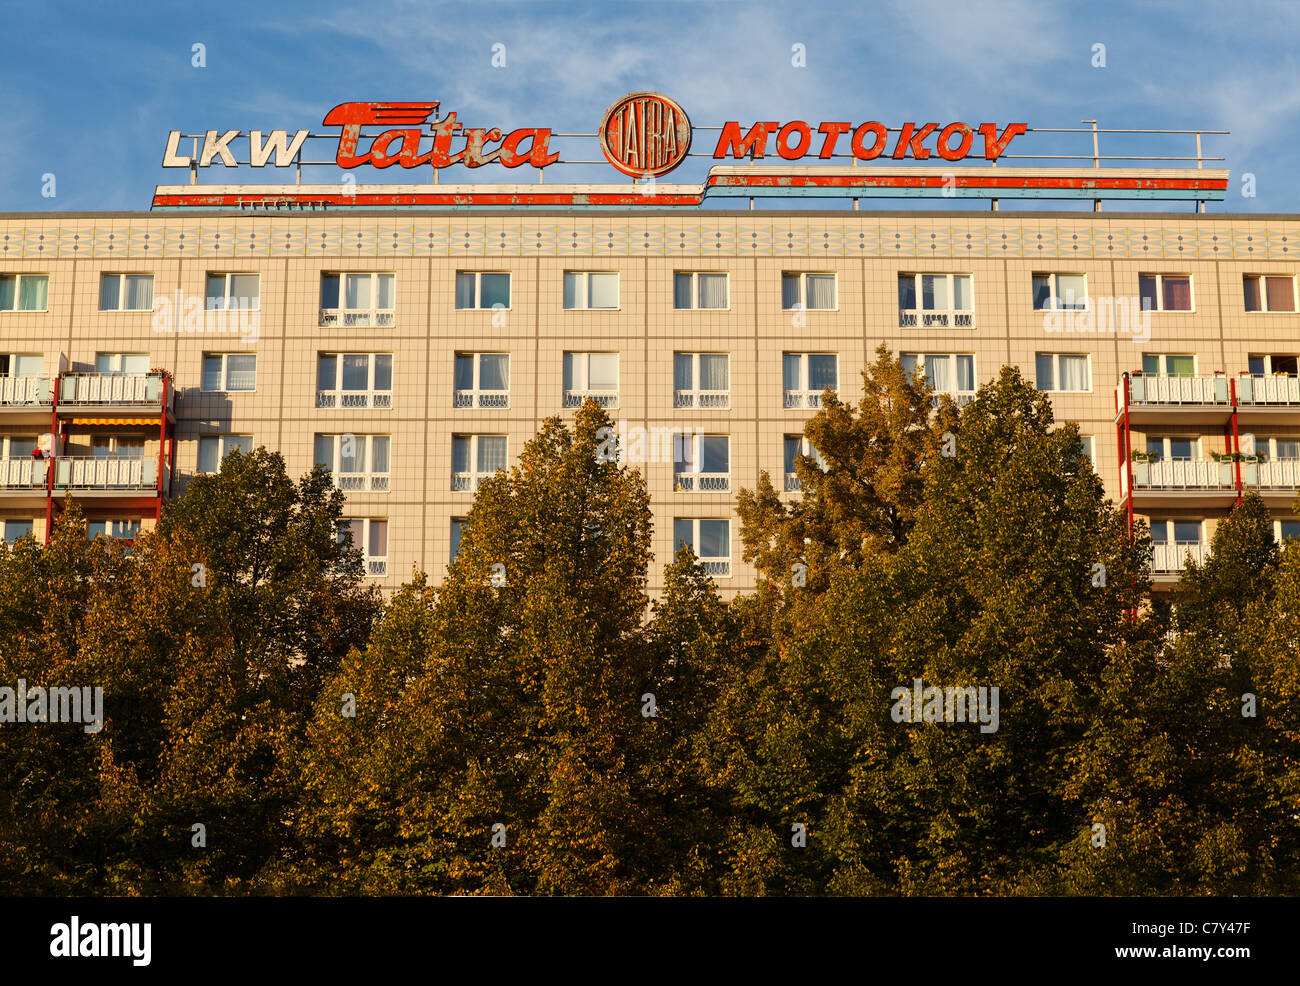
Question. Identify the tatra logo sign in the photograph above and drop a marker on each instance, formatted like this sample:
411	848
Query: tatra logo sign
643	135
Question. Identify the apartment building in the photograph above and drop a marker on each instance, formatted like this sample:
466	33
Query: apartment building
415	354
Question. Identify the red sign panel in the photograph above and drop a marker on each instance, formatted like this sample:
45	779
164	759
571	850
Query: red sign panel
645	134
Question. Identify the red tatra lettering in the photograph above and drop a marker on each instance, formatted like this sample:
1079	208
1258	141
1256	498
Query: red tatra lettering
832	132
670	136
511	157
782	140
945	138
876	149
380	155
754	142
473	155
352	116
910	139
995	145
440	156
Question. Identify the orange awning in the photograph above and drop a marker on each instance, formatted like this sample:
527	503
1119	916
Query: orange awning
137	422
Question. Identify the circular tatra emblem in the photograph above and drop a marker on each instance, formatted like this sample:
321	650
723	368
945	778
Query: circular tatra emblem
645	134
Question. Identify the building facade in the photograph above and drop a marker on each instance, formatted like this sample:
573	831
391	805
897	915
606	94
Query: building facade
417	352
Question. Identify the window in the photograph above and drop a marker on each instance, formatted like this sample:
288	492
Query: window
941	300
1172	541
474	458
230	372
370	537
1281	449
17	446
457	526
813	292
354	380
213	450
1283	530
359	462
357	300
233	291
702	380
699	290
1174	449
482	380
1165	292
590	289
1062	372
709	539
24	292
112	529
479	289
796	446
947	373
16	529
591	375
1263	366
701	463
1060	291
21	364
1176	531
122	364
126	292
1269	293
1168	365
1087	447
806	375
117	447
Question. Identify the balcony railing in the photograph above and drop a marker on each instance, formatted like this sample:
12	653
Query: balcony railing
605	398
24	391
86	473
792	482
486	399
1279	474
914	318
377	566
1268	389
462	482
707	400
23	474
1170	557
802	399
1184	474
125	389
1148	389
356	318
717	567
702	482
352	399
362	482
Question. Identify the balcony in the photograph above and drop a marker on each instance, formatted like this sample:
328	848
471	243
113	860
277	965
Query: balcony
468	482
23	478
702	482
1169	558
374	400
918	319
356	318
605	398
1186	400
1182	482
109	476
800	399
705	400
482	399
361	482
24	392
92	392
1268	400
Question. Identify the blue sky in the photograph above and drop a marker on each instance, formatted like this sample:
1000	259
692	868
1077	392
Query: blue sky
88	91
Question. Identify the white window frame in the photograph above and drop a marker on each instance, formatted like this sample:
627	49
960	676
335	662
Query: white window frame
692	480
376	566
223	449
227	276
961	397
1088	446
802	397
1166	447
802	303
1263	295
694	276
792	484
582	292
1268	363
573	398
1277	529
468	482
373	317
369	480
124	529
18	293
476	396
1163	370
119	364
1160	291
372	399
1270	447
719	567
704	400
121	292
478	291
927	318
456	535
1056	373
116	443
1054	292
224	382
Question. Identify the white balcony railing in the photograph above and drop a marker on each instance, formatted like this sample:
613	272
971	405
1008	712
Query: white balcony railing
362	482
717	567
706	400
605	398
377	566
1170	557
803	398
702	482
462	482
1268	389
23	474
792	482
913	318
84	473
22	391
1183	474
115	388
1279	474
487	399
356	318
353	399
1150	389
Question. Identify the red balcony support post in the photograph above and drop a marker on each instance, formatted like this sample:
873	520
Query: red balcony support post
1125	455
1235	445
162	448
49	469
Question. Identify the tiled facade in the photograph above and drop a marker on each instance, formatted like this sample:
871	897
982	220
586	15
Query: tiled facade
865	252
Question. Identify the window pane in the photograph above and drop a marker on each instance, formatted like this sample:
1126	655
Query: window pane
821	291
1072	290
1160	532
8	289
714	539
491	453
1181	366
463	373
379	446
15	529
713	290
28	366
387	292
1180	449
356	371
1289	529
962	298
242	443
384	371
139	292
1251	285
681	290
908	361
209	449
790	371
1156	447
352	454
496	290
965	374
934	292
792	451
1178	293
33	293
789	291
572	289
464	289
1288	448
604	290
211	372
1256	365
326	373
715	371
574	371
714	453
378	539
135	364
329	291
603	371
1147	291
1074	373
821	371
216	291
455	536
243	291
683	534
1187	532
357	294
1151	364
1283	364
1281	297
460	454
108	363
683	367
109	287
494	371
683	451
906	292
241	372
1044	364
1042	291
936	371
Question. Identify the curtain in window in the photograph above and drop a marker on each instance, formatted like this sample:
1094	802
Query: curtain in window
1042	291
109	290
714	373
821	291
821	372
241	372
242	442
965	374
495	290
136	364
714	538
790	371
378	539
357	294
1251	285
1180	366
33	293
491	453
212	373
209	449
352	454
494	371
387	292
934	292
572	290
683	451
906	292
1074	373
937	372
962	298
714	453
1147	291
604	290
1072	291
792	451
1178	293
243	291
1281	297
790	291
1288	448
713	290
683	375
603	371
464	290
379	445
139	292
681	290
28	366
1044	371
